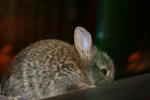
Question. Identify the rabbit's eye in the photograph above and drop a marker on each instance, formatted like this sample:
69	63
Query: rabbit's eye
103	71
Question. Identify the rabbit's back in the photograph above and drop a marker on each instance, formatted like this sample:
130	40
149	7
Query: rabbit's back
46	68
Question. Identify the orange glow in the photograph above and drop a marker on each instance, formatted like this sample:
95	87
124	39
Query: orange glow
138	61
5	58
131	66
141	67
134	56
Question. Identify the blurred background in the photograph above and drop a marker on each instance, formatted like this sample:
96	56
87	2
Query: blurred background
119	27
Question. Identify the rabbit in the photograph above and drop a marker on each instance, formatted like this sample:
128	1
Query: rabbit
52	67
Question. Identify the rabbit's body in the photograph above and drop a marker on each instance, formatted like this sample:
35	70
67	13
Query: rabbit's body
53	67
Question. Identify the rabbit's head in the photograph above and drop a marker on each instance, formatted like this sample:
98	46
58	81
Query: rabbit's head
101	65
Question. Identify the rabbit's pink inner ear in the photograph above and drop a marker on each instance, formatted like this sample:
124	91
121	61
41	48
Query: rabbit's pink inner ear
83	42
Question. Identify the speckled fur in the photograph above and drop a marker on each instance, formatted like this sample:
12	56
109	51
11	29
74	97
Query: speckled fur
53	67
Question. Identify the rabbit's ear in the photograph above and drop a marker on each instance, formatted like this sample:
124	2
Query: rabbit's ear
83	42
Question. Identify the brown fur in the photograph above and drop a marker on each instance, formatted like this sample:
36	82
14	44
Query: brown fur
53	67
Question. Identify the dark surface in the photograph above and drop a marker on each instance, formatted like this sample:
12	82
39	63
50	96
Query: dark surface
133	88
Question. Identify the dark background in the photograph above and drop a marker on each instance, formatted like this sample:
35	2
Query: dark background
119	27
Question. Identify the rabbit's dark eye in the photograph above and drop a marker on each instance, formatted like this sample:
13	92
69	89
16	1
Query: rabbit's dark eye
104	71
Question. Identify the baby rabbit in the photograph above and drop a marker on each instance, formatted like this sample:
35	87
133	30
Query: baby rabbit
53	67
